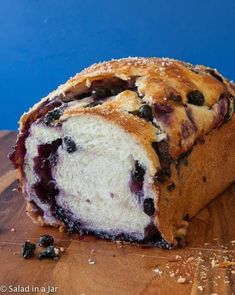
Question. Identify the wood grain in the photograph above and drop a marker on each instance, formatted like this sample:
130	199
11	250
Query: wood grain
118	268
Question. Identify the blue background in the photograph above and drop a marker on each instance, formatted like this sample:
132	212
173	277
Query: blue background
43	43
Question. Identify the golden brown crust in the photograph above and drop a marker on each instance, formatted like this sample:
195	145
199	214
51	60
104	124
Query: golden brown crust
209	170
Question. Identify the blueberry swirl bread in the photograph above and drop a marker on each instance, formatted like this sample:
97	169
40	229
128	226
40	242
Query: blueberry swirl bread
128	149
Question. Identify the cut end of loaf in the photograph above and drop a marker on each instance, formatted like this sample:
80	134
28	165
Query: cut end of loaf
99	178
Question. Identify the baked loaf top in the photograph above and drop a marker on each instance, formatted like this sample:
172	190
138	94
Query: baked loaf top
188	101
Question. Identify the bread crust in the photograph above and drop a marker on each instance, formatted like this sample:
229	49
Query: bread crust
157	81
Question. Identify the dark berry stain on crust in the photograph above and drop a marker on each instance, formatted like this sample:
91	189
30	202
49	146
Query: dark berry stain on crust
47	156
163	112
70	145
171	187
149	208
186	129
182	160
28	250
162	150
223	109
145	112
190	117
175	97
196	97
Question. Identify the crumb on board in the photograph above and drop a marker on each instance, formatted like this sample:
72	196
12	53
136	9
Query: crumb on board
158	271
91	261
200	288
181	280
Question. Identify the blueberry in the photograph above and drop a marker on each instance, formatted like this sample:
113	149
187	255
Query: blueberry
145	112
46	240
138	174
196	97
28	249
149	206
49	252
52	116
70	145
100	92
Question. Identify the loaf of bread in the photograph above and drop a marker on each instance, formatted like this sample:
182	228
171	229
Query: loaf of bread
128	149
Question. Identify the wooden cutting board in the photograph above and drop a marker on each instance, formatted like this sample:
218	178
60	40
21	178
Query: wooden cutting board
94	266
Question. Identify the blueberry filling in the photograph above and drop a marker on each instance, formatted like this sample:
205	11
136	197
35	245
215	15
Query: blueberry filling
100	93
162	150
116	90
190	117
105	88
149	208
163	112
137	178
19	151
186	129
223	110
145	112
70	145
45	188
45	241
196	97
66	217
28	250
52	116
